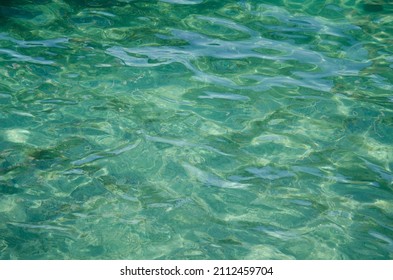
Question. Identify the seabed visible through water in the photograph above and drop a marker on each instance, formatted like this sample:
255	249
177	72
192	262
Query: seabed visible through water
196	129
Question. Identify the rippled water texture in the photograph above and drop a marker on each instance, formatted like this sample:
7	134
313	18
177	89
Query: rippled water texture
196	129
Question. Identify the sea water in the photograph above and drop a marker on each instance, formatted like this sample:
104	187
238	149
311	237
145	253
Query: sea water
196	129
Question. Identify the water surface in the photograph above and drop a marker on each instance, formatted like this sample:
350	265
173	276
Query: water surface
196	129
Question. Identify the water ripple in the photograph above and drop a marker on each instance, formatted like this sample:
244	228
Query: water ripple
210	179
200	46
15	56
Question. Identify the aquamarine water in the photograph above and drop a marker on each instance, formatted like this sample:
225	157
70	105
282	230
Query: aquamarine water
196	129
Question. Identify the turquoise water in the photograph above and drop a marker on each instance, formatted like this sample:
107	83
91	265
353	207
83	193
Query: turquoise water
196	129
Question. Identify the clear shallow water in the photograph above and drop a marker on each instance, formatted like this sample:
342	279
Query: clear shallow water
183	129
